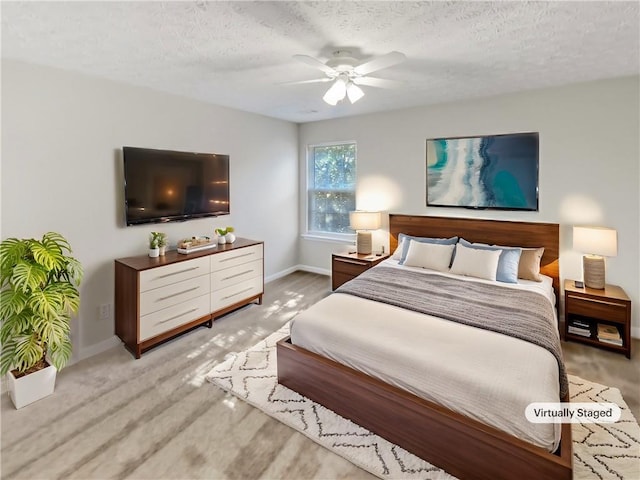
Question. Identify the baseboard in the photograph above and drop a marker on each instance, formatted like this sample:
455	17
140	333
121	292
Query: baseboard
97	348
295	268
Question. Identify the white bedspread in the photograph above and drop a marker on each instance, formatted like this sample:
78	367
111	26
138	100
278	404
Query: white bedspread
485	375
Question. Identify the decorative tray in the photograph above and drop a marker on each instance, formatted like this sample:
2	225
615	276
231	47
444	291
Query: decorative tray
195	244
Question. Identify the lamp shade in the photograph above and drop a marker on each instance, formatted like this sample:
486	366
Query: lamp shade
360	220
596	241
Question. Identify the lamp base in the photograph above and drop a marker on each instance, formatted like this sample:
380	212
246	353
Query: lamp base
364	243
593	268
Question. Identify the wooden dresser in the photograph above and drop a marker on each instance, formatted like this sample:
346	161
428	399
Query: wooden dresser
158	298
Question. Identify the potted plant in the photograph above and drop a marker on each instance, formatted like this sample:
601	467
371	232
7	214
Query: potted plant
154	244
162	243
226	235
39	283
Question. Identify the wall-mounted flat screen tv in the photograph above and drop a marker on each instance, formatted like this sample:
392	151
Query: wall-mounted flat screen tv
166	186
493	172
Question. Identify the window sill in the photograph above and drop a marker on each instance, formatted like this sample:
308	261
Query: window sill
342	239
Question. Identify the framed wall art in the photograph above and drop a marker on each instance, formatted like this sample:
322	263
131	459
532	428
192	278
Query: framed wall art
489	172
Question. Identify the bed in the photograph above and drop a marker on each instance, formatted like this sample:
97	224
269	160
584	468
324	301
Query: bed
444	433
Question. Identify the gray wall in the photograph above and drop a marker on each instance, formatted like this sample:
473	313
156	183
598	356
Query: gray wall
62	135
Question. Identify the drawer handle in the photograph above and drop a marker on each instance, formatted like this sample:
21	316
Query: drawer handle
603	302
176	294
237	256
179	315
238	274
179	271
237	293
354	262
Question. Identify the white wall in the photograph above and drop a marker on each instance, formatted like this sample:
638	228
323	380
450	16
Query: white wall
589	165
62	135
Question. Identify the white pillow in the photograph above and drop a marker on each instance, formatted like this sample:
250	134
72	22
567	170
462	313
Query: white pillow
474	262
429	255
397	255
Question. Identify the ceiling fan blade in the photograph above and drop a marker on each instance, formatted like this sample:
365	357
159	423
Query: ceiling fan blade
315	63
379	63
377	82
300	82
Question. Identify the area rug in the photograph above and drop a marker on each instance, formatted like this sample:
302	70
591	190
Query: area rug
602	451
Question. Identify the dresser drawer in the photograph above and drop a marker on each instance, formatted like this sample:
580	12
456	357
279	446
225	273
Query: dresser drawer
175	272
163	297
236	293
601	309
348	266
169	318
235	257
238	274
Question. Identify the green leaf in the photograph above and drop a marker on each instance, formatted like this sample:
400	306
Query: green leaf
59	354
46	303
7	356
27	276
29	351
49	256
12	302
11	251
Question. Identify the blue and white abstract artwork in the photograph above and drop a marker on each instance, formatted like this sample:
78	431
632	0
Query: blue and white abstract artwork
494	172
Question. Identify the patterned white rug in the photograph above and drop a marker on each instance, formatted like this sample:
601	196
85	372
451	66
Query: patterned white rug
604	451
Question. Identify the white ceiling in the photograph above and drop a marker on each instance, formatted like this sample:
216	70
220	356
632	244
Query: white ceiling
238	54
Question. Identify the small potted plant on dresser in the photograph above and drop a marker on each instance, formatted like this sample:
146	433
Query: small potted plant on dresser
39	283
226	235
162	243
154	244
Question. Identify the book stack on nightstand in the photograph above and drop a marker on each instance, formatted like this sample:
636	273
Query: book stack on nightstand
580	327
609	334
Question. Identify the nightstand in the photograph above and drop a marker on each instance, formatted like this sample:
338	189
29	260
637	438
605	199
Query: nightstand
345	266
585	308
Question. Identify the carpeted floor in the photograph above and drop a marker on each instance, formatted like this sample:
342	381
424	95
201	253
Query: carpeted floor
599	450
112	416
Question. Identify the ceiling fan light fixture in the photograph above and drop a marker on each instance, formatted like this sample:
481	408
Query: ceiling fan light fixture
354	92
336	92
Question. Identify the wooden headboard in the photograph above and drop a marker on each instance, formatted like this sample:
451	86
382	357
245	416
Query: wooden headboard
499	232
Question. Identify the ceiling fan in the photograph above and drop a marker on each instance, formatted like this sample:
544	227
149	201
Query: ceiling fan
347	73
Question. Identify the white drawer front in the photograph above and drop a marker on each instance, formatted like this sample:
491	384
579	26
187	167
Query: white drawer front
176	272
238	274
169	318
163	297
235	293
235	257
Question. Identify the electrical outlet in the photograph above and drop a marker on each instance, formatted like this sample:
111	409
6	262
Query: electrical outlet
104	311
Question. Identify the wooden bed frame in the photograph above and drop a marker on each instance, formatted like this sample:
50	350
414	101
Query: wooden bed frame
458	444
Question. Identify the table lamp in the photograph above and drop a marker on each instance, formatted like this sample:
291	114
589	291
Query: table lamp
596	243
363	222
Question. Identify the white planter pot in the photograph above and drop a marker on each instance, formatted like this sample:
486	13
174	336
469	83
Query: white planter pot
162	250
154	252
230	237
32	387
222	240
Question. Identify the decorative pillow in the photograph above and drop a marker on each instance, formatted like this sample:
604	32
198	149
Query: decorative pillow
397	255
474	262
437	241
529	266
429	255
508	262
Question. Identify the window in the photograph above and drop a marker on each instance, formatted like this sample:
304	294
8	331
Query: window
331	188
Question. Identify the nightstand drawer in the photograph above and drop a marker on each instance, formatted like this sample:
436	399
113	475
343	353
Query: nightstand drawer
348	266
596	308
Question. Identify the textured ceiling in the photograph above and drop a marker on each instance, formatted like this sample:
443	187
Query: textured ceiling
239	54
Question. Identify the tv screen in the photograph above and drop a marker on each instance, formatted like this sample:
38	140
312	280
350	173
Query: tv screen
165	186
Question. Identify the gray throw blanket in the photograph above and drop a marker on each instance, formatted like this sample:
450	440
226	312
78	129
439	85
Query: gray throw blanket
521	314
